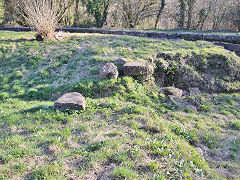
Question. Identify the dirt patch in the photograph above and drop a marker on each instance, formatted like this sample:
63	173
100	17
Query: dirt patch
105	174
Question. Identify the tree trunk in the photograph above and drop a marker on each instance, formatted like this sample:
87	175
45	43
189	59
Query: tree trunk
159	13
190	4
182	13
76	18
45	37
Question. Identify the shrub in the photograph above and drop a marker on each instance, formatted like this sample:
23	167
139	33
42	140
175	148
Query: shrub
4	95
43	15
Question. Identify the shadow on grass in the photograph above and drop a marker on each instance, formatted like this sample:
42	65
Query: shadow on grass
89	88
38	108
16	40
4	131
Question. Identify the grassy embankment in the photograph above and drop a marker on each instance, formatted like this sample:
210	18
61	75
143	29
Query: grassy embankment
128	131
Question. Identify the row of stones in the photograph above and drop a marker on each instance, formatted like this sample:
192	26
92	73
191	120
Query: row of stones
230	46
136	69
186	36
75	101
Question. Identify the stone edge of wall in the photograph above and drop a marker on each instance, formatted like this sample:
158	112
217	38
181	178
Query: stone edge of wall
186	36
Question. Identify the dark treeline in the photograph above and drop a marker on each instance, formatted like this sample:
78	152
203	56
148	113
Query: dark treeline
140	14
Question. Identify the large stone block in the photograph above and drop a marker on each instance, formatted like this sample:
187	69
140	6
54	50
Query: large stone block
138	68
70	101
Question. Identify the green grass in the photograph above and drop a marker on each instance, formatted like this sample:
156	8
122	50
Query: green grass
128	130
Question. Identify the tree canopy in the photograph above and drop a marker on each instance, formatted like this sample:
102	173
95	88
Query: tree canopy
140	14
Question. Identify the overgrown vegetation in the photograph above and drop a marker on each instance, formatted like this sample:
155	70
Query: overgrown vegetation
128	131
142	14
98	9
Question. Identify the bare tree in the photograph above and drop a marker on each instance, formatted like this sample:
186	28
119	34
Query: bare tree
135	11
99	9
189	14
76	12
11	14
234	17
43	15
202	16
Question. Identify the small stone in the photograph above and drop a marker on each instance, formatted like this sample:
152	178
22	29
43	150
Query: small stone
172	91
186	93
175	100
60	35
70	101
138	68
194	91
195	103
109	71
191	107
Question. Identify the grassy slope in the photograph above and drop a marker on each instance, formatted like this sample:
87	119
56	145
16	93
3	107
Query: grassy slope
127	131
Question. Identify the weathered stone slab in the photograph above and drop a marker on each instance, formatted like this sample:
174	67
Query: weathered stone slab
70	101
172	91
109	71
194	91
229	46
120	64
138	68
